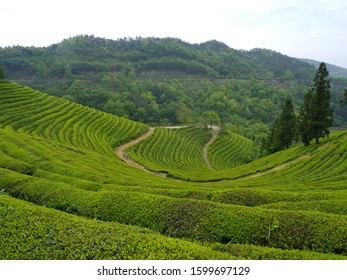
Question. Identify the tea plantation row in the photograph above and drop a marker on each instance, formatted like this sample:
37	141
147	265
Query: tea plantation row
59	155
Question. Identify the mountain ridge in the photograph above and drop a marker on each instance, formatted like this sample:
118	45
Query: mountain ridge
166	81
334	70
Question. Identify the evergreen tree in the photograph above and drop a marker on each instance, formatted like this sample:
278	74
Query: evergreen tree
316	114
272	143
287	125
283	131
2	73
345	100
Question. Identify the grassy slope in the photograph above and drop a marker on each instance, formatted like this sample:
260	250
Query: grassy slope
83	177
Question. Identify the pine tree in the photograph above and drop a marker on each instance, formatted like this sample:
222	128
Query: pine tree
316	114
283	131
2	73
287	125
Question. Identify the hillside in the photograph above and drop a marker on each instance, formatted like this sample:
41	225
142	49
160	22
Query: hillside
87	54
168	81
59	178
335	71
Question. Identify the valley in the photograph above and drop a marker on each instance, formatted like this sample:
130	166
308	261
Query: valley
65	194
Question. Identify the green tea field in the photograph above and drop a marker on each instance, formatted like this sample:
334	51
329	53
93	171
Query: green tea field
65	194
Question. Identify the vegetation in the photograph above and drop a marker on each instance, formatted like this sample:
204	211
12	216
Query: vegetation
316	115
64	194
283	131
334	71
2	73
231	149
168	81
173	151
211	118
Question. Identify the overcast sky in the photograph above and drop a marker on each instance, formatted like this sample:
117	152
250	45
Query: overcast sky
315	29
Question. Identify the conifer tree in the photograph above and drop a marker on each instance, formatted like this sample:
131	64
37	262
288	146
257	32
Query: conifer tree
283	131
316	114
287	125
2	73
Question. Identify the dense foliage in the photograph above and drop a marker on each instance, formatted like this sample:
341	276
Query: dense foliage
283	131
316	114
2	73
167	81
65	195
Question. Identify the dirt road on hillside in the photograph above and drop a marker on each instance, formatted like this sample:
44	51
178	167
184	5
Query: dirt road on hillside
119	151
215	131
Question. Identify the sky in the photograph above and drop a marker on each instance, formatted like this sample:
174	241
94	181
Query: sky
314	29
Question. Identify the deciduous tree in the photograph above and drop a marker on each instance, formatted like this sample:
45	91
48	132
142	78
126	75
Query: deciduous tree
211	118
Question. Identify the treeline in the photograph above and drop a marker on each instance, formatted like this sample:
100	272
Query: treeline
246	105
169	81
313	121
212	59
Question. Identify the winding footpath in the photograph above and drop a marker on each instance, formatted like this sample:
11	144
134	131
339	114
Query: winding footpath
215	131
119	151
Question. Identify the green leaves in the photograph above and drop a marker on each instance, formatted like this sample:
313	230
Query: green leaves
57	155
316	114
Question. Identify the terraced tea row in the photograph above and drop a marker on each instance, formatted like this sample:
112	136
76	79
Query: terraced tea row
46	162
30	111
231	149
47	235
175	151
192	219
326	166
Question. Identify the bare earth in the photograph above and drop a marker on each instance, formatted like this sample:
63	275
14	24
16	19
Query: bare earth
215	130
119	151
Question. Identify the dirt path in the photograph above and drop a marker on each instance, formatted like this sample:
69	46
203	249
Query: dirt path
119	151
215	131
276	168
282	166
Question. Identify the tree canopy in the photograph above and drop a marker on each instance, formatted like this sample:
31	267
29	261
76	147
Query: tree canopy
316	114
283	130
2	73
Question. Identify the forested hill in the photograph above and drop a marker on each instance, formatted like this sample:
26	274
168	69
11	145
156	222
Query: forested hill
169	81
335	71
212	59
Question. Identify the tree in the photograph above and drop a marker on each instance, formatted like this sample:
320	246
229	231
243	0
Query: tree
283	131
287	125
316	114
2	73
345	100
211	118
